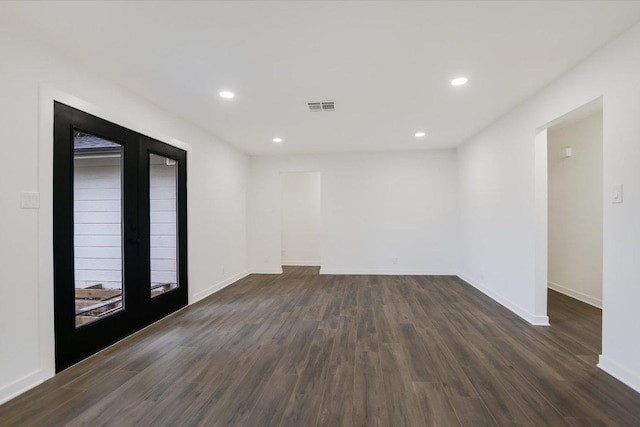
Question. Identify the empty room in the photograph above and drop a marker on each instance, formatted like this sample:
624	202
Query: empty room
331	213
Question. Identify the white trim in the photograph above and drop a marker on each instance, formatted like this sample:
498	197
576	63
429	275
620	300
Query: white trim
21	385
529	317
45	312
541	253
266	270
301	263
575	294
49	93
218	287
620	372
386	272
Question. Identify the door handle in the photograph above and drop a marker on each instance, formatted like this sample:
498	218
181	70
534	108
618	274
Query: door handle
134	241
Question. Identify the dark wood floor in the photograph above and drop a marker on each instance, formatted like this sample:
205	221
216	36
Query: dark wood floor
301	349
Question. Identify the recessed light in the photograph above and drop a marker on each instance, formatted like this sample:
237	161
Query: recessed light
419	134
277	140
226	94
459	81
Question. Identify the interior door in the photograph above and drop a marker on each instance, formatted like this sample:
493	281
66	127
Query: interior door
120	259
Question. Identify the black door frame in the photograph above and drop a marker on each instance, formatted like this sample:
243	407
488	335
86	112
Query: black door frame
72	343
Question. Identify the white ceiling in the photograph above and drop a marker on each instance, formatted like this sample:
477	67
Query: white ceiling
387	65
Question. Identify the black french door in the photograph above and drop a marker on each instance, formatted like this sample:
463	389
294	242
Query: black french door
119	234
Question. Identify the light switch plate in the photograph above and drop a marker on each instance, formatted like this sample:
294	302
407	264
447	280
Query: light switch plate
617	194
30	200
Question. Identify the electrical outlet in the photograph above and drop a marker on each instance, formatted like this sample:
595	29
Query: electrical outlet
395	260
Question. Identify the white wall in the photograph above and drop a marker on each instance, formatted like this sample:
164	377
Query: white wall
301	218
575	209
31	77
376	207
497	196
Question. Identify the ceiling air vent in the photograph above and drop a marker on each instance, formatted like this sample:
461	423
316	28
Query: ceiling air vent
317	107
328	106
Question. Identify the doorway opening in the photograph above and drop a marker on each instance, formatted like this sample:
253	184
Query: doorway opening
300	219
574	162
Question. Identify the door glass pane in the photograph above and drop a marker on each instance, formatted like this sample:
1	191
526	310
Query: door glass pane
163	207
97	215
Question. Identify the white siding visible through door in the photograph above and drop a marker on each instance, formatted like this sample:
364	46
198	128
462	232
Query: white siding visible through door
163	220
97	222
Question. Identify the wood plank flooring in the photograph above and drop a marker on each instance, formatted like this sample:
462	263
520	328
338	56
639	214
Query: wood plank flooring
300	349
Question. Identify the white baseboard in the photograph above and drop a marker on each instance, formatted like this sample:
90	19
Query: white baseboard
529	317
575	294
266	270
21	385
218	286
619	372
385	272
301	263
